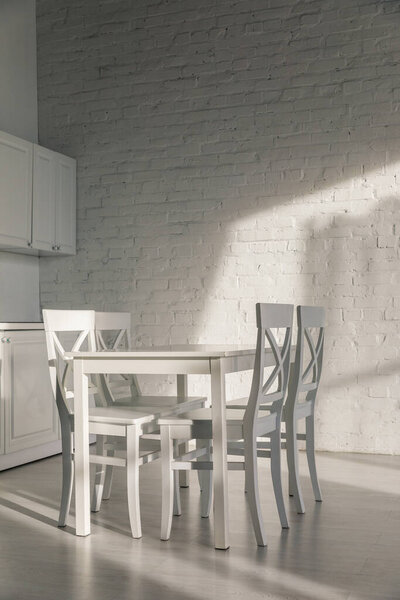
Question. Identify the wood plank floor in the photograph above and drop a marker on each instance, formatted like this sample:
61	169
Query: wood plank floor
347	548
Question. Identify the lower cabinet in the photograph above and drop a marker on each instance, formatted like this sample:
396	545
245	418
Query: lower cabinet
29	421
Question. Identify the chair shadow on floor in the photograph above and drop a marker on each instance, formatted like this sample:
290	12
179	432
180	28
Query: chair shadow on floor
15	501
13	504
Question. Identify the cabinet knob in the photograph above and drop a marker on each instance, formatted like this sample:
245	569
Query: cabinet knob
6	340
58	247
29	244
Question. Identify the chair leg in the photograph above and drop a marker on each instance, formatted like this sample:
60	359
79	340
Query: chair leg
182	391
205	480
277	477
293	464
109	476
167	478
99	477
177	509
132	469
250	461
67	476
184	475
310	450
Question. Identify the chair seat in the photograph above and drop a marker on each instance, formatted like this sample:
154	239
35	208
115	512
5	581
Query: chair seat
119	415
241	404
146	446
302	410
162	404
199	423
139	415
156	400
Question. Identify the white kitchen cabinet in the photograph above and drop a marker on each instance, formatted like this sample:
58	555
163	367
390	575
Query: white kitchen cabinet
2	429
54	202
15	191
37	198
29	427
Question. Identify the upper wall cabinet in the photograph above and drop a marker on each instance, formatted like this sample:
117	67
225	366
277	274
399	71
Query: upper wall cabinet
37	198
54	202
15	191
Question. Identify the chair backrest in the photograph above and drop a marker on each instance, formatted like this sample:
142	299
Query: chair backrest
77	322
306	372
272	391
113	332
117	325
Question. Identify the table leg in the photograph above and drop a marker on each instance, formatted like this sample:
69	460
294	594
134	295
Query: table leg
220	475
182	390
81	458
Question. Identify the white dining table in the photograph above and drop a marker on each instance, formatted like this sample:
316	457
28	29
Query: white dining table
182	360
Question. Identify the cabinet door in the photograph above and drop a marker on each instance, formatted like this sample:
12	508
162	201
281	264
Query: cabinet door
2	381
15	191
66	204
30	412
44	201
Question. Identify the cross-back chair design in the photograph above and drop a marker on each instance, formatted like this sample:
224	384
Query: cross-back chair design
305	375
82	324
244	426
113	332
115	421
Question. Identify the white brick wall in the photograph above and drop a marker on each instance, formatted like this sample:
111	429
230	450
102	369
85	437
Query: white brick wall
231	152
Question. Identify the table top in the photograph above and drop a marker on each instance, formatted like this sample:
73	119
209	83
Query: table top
173	351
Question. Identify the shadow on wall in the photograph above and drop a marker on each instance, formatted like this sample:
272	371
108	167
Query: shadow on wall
354	264
228	159
359	285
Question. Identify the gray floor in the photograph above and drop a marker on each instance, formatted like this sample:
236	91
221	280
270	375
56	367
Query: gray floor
345	548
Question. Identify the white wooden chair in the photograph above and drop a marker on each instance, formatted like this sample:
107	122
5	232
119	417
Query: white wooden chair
112	332
304	378
243	426
116	421
305	375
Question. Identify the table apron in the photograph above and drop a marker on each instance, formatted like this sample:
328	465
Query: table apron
144	366
235	364
170	366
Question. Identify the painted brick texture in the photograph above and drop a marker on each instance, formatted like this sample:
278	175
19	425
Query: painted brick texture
232	152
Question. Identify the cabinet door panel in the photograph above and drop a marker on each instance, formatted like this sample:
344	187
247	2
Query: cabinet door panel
15	191
2	388
44	207
66	204
30	412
